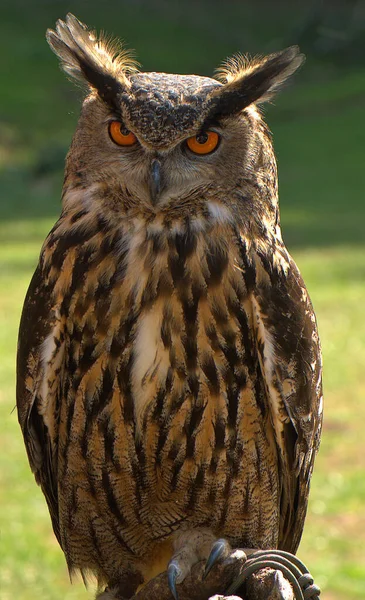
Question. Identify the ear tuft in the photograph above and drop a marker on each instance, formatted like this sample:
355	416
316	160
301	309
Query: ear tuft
103	65
254	80
235	66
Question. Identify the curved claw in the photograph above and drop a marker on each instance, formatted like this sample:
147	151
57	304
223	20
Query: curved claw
218	550
173	572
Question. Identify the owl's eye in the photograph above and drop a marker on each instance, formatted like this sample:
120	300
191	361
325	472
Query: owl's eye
120	135
204	143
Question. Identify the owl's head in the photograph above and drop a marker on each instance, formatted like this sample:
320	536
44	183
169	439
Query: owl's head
161	138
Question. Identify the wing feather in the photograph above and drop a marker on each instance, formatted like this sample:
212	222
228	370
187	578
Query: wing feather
36	325
290	359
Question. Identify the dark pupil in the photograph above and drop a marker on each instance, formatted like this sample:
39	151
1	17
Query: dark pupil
124	130
202	138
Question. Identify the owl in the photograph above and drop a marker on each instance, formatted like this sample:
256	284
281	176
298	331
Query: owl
169	366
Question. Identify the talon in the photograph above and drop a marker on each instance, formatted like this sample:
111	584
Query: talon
173	572
218	550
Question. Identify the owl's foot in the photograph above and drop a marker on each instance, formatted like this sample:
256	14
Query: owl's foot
221	549
190	548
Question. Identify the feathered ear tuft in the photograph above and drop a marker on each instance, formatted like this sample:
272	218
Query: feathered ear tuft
102	65
248	81
235	66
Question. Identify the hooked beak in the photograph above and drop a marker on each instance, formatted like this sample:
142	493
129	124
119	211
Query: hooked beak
155	180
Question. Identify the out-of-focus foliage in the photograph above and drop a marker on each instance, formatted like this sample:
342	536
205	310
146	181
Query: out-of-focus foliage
319	132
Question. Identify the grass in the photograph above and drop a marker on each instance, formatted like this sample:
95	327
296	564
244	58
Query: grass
319	135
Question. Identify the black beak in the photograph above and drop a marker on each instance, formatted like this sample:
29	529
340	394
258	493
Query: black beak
155	180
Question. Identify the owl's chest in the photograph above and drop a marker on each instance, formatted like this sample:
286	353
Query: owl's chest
191	340
163	328
161	383
181	357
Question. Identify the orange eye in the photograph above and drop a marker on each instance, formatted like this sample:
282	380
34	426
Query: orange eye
204	143
120	135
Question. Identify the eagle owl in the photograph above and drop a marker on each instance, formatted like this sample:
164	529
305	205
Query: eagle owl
169	368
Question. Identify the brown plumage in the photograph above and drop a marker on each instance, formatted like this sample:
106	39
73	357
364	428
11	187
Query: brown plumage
169	369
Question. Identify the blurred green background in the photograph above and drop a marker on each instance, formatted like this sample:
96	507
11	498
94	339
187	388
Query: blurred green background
318	124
